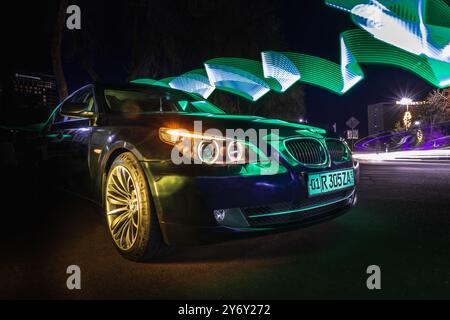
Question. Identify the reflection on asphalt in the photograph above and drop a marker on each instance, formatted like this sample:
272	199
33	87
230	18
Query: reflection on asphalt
400	224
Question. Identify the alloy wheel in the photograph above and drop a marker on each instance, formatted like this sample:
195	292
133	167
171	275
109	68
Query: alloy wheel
123	207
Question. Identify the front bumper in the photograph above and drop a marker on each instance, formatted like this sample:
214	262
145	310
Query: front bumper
186	202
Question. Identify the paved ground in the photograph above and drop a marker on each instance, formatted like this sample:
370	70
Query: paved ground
402	224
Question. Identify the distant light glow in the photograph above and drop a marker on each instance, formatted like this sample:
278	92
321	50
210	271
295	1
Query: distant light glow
407	119
419	136
405	101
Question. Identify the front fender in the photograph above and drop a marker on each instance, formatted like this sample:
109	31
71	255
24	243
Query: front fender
105	157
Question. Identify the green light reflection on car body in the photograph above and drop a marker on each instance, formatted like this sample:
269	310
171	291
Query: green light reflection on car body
302	209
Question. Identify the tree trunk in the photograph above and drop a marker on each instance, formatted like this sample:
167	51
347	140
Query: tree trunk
89	68
136	62
56	50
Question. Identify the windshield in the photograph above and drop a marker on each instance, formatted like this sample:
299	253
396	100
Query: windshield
137	101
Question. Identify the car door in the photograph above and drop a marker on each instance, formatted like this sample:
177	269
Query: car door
68	144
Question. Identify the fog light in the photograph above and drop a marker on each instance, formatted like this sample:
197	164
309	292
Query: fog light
219	215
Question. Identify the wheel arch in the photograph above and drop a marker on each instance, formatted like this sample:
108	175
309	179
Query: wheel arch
107	160
106	163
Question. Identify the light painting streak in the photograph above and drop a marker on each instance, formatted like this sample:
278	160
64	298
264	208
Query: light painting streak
409	34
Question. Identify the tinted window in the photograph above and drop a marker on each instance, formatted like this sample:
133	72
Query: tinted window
135	101
86	97
83	96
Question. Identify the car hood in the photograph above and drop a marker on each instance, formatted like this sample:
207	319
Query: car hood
206	121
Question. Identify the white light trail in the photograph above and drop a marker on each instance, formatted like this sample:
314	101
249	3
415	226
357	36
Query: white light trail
417	155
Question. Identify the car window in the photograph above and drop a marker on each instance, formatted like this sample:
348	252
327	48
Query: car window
88	99
83	96
80	96
136	101
128	101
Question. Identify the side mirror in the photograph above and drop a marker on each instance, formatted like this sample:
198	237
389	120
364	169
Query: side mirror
76	110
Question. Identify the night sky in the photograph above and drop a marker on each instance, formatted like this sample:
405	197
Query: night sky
308	27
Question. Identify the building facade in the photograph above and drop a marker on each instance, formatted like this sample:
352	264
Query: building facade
34	90
27	98
384	115
380	117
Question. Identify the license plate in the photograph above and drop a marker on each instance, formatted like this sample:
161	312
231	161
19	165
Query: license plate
330	181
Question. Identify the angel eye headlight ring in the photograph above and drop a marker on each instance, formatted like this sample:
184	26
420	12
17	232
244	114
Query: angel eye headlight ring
235	151
208	151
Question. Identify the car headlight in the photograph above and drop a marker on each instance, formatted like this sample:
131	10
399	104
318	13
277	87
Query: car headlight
210	149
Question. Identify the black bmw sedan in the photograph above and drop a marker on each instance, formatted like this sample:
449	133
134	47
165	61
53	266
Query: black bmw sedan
170	168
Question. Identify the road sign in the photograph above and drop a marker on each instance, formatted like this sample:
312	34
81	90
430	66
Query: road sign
352	123
352	134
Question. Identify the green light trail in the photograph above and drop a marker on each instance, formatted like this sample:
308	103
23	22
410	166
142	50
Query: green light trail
409	34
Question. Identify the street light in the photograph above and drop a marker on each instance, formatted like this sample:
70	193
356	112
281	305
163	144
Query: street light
410	102
405	102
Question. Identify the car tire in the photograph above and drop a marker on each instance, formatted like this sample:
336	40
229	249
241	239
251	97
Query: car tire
134	227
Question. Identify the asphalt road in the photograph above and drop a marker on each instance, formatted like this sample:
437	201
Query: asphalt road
402	224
